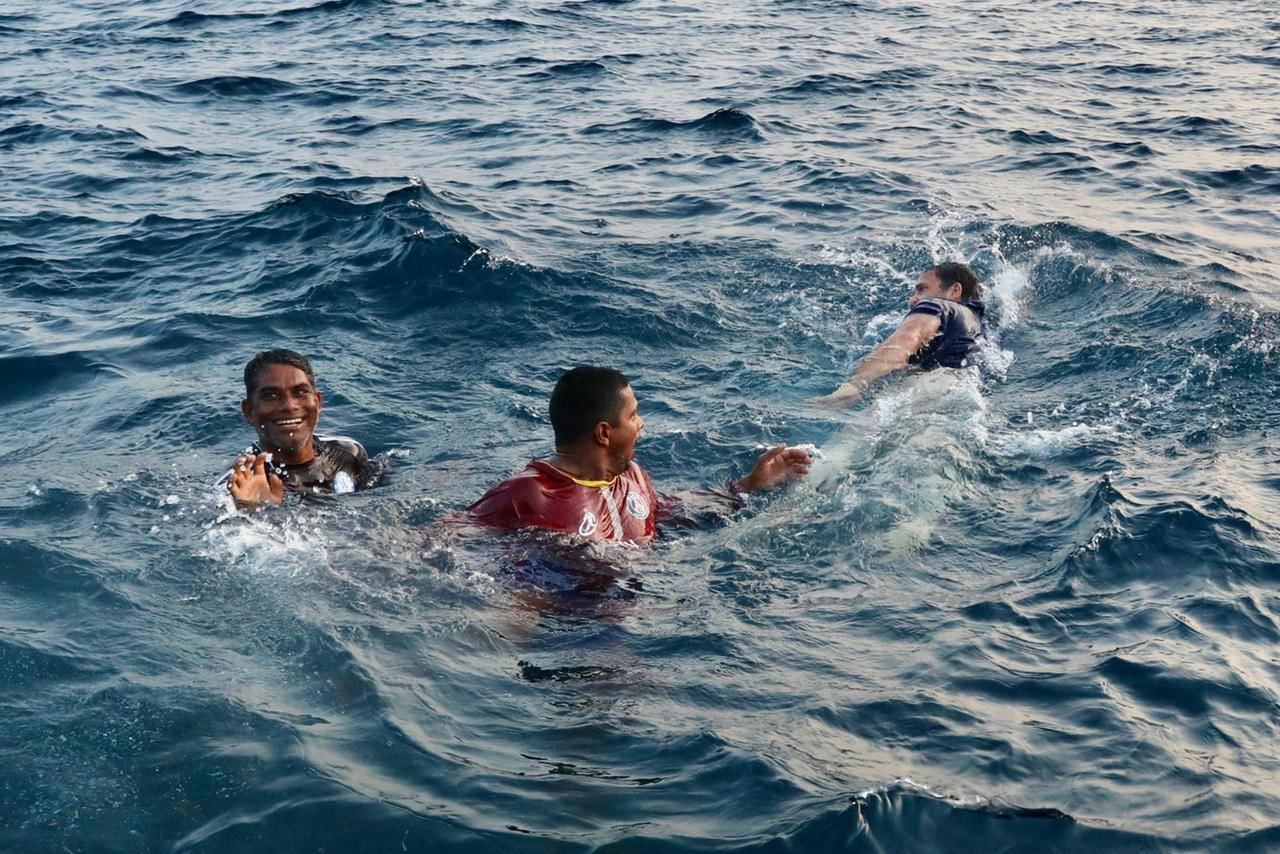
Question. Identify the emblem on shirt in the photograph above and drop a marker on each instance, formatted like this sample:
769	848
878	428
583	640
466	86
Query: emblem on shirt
637	506
589	523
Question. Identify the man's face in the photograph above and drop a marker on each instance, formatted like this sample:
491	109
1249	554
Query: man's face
930	287
283	408
626	429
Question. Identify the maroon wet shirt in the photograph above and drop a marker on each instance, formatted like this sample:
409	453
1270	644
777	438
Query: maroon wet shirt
542	496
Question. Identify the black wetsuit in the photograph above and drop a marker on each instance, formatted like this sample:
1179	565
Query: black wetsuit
340	465
960	327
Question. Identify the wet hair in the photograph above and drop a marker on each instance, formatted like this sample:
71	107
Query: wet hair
583	397
952	273
274	357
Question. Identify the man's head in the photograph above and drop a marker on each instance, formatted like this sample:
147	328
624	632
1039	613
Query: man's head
949	280
596	407
281	402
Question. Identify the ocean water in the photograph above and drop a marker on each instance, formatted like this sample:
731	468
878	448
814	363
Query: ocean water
1034	609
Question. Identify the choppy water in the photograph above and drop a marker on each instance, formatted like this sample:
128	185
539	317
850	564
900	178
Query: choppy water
1035	612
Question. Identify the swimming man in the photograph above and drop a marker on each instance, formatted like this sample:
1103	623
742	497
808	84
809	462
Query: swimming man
283	405
941	330
591	486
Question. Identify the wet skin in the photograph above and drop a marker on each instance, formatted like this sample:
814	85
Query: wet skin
930	287
283	409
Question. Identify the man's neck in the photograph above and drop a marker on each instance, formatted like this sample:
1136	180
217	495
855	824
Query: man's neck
583	465
300	455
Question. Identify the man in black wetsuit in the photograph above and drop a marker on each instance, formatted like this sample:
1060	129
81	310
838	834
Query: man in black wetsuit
282	404
941	330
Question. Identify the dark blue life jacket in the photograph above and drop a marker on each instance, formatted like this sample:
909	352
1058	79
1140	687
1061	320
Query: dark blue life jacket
960	327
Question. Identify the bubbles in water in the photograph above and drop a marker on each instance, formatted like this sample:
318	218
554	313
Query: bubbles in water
267	543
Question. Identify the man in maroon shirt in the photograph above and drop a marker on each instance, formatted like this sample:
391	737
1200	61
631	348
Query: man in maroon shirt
591	486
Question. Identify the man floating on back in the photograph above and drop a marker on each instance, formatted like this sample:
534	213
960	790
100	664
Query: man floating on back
941	330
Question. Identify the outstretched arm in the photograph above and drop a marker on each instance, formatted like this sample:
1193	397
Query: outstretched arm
700	508
892	355
775	467
251	485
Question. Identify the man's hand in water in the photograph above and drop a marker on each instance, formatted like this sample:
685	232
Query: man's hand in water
845	396
251	485
776	467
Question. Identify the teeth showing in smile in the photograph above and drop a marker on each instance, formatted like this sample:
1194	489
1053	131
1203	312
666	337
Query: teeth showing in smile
289	422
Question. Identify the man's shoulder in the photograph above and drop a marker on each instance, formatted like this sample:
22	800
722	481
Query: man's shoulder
521	500
527	482
936	307
637	474
343	445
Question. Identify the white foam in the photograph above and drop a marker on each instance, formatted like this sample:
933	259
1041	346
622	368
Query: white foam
879	327
1043	443
1006	289
905	458
268	544
906	784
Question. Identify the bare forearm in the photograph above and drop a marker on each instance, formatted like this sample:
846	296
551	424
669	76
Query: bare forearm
881	362
893	354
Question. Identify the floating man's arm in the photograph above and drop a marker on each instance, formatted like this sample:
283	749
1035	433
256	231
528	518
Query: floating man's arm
892	355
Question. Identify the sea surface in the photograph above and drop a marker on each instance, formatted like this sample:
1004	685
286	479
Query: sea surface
1035	607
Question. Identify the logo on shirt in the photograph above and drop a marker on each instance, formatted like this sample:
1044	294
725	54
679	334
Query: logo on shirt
637	506
589	523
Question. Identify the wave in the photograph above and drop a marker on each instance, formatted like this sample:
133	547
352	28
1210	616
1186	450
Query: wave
37	133
162	156
728	122
1043	137
906	816
1182	125
23	377
26	99
252	86
255	87
825	84
1255	178
578	68
1171	542
188	18
1140	68
331	259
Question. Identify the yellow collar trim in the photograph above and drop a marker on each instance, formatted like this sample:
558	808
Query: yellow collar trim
594	484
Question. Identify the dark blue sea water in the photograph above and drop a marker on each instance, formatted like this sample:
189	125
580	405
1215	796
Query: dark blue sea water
1034	611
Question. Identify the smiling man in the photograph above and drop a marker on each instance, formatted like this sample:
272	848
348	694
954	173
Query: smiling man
941	330
592	486
283	405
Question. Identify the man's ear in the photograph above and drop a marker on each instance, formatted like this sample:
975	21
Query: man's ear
955	292
245	409
319	402
602	433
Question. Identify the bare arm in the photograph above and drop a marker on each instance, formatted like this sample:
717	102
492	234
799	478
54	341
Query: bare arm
892	355
695	508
